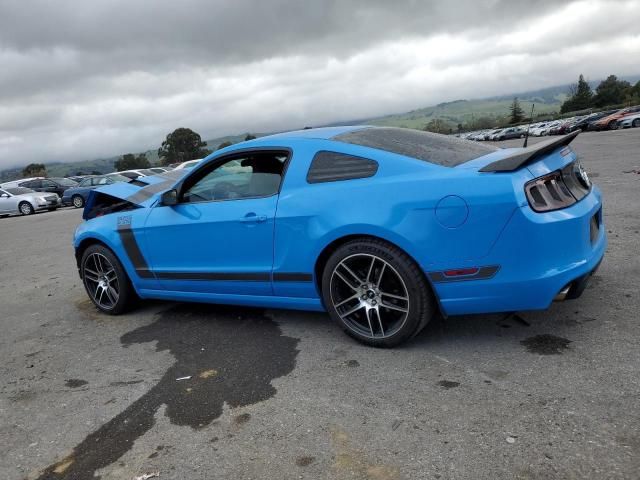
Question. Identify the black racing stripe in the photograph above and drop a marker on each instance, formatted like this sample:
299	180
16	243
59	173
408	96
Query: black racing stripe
484	273
172	174
147	192
292	277
233	276
132	249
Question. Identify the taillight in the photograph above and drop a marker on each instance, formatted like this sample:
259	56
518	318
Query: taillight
559	189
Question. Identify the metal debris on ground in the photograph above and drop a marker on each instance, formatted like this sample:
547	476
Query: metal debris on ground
145	476
183	378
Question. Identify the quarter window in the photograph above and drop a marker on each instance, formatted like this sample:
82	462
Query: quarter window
333	166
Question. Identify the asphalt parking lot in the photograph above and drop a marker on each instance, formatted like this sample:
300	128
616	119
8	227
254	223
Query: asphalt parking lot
280	394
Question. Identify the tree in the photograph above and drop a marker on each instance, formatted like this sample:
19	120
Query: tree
129	162
481	123
34	170
437	125
633	94
516	114
181	145
580	97
611	92
224	145
249	137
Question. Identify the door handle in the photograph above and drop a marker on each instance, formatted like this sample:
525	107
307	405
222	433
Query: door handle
253	218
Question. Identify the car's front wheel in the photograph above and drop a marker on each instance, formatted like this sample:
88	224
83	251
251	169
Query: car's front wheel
636	123
25	208
78	201
376	292
105	280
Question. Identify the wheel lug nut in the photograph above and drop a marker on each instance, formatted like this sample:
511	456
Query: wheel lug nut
373	302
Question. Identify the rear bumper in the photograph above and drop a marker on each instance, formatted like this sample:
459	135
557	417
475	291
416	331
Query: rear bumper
539	255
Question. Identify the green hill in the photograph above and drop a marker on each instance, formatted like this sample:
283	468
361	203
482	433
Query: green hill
493	109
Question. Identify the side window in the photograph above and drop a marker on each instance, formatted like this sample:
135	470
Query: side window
102	181
85	183
252	175
333	166
48	184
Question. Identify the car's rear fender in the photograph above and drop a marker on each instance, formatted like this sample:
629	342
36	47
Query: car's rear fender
438	216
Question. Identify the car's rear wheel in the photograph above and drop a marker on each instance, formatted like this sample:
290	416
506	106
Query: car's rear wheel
105	280
613	125
77	201
25	208
376	292
636	123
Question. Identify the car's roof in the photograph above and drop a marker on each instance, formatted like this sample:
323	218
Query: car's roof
323	133
443	150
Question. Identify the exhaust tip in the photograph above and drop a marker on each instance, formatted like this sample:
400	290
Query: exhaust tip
562	294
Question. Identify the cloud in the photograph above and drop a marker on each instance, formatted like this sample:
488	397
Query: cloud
82	80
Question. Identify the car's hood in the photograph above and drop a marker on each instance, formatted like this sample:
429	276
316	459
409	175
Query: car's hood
630	116
144	190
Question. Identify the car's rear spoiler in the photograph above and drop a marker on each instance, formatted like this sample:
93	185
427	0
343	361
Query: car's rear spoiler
528	155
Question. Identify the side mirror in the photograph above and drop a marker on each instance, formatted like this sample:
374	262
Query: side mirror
169	198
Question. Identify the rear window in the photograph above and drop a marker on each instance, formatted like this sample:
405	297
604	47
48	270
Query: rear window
65	182
445	150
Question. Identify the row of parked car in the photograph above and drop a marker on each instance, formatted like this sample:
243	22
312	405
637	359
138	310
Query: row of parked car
29	195
610	120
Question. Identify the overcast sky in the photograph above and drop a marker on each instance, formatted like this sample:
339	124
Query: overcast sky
87	79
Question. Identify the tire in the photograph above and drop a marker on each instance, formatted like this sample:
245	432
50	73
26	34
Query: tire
613	125
77	201
106	281
636	123
356	305
25	208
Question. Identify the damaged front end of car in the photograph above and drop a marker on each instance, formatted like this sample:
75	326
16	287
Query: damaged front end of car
120	197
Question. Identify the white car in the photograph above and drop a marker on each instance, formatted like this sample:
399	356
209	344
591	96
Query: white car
629	121
25	201
132	174
540	129
189	164
15	183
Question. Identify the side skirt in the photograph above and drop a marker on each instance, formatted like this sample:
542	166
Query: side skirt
290	303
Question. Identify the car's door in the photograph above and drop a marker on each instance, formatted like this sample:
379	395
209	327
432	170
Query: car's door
50	186
218	238
7	204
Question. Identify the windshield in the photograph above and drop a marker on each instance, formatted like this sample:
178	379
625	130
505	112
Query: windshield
118	178
65	182
18	190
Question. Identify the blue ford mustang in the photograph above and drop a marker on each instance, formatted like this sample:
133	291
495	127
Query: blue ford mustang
381	227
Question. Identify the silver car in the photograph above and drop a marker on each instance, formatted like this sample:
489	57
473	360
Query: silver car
25	201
